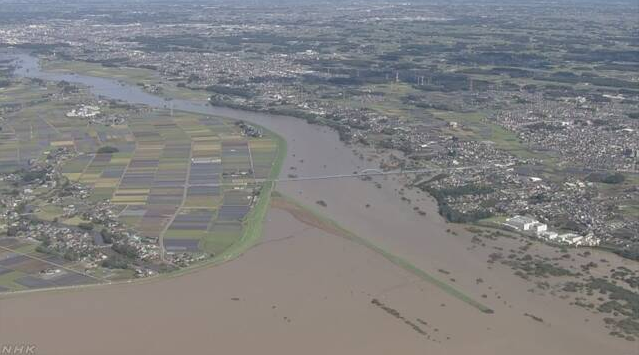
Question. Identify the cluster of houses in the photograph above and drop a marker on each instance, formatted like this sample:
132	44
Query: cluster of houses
249	130
540	230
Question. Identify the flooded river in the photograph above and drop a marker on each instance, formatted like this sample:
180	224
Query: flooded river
303	290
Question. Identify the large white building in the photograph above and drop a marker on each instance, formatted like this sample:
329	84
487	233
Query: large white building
85	111
534	227
539	227
521	223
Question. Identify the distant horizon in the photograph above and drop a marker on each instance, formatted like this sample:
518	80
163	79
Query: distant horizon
263	2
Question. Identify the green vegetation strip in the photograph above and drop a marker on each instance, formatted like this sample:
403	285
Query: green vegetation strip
399	261
254	222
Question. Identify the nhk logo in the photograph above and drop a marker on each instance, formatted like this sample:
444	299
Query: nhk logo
18	349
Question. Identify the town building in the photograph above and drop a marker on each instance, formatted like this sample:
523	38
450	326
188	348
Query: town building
521	223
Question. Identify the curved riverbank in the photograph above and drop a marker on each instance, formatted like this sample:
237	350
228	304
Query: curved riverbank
29	67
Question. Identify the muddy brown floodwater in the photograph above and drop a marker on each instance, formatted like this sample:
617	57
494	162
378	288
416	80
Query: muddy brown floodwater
304	289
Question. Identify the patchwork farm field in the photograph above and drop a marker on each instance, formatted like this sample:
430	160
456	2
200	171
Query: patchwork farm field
38	125
177	177
23	268
185	181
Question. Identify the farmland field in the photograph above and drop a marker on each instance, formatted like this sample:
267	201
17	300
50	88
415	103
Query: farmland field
184	181
168	175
